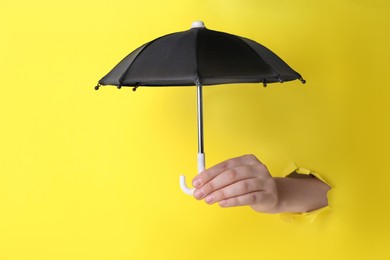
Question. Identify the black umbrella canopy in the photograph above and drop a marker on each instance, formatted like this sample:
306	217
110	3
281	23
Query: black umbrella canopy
199	56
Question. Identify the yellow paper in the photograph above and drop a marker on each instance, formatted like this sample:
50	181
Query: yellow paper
88	174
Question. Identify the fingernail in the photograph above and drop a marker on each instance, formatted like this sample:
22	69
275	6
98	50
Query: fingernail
196	183
209	199
198	194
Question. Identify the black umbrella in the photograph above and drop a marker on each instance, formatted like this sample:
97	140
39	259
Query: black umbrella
199	57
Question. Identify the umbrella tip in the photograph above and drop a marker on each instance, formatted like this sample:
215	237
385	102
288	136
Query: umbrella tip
198	24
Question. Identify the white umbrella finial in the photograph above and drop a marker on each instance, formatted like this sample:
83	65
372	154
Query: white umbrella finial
198	24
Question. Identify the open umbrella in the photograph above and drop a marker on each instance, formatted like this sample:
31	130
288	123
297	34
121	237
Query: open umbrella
199	57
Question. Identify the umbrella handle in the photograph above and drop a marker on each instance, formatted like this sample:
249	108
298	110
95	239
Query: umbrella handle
201	167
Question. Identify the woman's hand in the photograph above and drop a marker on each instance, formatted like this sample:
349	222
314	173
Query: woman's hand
246	181
237	182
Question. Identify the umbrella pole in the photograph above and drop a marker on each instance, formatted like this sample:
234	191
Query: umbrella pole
201	157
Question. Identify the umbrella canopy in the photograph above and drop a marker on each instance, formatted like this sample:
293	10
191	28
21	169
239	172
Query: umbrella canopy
199	55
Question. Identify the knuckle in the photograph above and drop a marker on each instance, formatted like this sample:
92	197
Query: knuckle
201	177
261	169
225	165
254	197
209	187
232	175
245	186
219	195
250	157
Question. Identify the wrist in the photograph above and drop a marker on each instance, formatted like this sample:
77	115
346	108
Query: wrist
300	195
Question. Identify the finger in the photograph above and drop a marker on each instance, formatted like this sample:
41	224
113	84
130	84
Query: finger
257	197
213	171
237	189
225	179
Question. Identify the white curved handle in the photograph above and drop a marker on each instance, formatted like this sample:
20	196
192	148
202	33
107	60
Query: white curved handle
201	167
184	187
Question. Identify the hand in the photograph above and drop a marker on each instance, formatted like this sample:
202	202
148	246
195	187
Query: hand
237	182
246	181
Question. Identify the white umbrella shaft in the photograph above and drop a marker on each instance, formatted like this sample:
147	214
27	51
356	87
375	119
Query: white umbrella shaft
199	96
201	155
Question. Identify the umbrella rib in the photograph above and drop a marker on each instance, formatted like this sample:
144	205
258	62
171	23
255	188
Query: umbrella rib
127	70
272	69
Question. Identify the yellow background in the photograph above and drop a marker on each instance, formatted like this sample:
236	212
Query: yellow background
90	174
